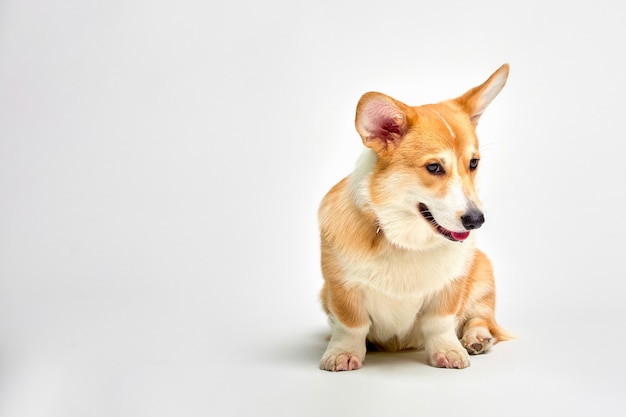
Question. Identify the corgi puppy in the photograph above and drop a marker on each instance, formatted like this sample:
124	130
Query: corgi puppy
398	255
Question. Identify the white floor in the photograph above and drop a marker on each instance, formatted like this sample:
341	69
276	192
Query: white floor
160	169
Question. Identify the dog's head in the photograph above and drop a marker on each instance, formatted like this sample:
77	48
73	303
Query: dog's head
422	164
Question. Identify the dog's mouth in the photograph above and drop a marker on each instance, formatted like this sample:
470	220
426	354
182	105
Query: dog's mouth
448	234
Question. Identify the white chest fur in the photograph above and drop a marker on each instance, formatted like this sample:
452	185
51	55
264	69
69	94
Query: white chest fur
397	282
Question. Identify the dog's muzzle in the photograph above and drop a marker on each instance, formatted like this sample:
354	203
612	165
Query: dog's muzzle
471	220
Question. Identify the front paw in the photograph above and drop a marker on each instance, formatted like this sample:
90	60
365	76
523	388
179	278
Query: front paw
340	361
450	358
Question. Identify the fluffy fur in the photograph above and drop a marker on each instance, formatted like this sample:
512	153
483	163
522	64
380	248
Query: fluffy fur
401	268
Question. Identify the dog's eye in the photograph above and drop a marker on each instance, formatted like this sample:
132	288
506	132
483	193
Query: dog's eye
435	169
473	164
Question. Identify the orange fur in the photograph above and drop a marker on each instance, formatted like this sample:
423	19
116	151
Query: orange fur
391	276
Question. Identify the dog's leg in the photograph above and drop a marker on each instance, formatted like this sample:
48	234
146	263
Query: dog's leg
350	325
346	349
479	330
441	343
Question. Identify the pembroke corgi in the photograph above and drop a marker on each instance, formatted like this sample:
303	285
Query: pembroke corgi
398	255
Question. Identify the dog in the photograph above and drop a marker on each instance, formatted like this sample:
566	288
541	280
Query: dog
398	254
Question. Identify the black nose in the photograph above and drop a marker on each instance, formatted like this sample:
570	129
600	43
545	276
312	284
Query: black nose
473	219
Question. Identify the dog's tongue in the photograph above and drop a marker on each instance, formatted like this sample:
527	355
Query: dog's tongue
460	235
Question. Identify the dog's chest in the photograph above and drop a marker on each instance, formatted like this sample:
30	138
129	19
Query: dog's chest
401	273
397	283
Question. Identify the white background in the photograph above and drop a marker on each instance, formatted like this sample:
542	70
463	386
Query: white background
161	163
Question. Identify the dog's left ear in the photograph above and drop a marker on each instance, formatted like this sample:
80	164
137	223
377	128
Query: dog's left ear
476	100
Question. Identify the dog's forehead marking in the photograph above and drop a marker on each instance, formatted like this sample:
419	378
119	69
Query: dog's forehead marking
445	122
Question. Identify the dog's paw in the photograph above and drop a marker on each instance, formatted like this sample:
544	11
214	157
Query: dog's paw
477	340
452	358
340	361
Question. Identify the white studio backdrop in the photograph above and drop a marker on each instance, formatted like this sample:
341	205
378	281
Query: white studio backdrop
161	164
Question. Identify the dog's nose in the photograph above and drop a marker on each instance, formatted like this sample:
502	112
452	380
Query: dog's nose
472	219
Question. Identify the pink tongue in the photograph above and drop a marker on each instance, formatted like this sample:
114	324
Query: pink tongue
460	235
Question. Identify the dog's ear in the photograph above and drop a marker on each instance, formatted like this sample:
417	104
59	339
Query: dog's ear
381	121
476	100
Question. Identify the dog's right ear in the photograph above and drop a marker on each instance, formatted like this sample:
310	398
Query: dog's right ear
381	121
